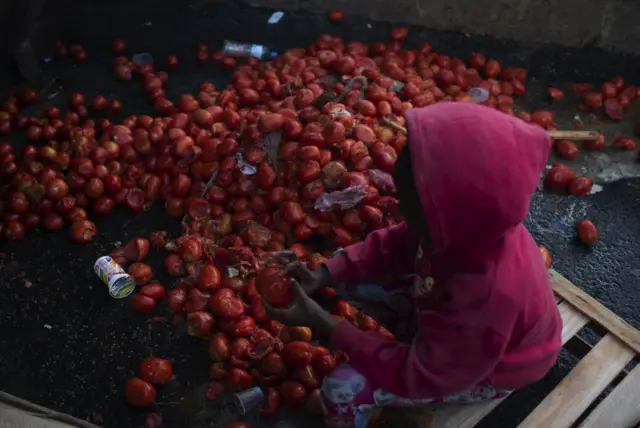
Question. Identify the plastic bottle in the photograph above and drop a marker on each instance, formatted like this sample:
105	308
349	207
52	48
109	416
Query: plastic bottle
244	50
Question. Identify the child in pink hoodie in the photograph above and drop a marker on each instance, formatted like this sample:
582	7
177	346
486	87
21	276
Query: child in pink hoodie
487	320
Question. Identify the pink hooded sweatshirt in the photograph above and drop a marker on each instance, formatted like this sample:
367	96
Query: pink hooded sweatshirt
486	309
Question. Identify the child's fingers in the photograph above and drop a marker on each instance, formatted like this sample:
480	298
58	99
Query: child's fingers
297	289
287	256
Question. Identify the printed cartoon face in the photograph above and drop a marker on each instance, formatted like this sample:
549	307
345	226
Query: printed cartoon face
340	391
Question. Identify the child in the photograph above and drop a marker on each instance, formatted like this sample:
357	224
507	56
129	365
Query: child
487	320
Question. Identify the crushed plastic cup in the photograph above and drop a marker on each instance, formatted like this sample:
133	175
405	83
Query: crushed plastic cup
142	58
248	399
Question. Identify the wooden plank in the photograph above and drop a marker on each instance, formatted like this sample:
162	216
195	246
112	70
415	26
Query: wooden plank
621	408
595	310
572	321
468	415
582	385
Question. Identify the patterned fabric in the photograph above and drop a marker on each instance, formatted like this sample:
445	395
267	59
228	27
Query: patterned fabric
350	402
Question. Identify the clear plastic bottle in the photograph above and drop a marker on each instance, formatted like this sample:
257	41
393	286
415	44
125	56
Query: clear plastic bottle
245	50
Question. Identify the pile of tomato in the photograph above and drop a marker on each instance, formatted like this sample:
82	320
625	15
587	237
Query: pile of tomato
335	107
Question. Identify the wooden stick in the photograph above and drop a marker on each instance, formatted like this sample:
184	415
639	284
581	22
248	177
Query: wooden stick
574	135
554	135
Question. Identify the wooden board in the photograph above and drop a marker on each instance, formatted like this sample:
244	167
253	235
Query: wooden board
621	408
564	405
595	310
578	390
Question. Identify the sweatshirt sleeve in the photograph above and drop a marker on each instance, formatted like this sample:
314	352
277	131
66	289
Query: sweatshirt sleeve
444	357
388	251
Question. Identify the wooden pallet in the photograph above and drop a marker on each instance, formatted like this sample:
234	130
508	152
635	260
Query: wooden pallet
601	366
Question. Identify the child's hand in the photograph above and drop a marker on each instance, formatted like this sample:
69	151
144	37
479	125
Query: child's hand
304	311
311	281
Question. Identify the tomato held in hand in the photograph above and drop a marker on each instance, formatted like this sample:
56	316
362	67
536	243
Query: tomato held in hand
274	286
156	370
139	393
587	231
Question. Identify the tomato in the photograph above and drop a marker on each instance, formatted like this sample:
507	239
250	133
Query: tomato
273	364
625	143
219	347
244	327
209	279
156	370
598	144
555	94
271	122
271	404
297	353
196	300
546	257
240	347
292	392
492	69
176	300
139	393
307	376
83	231
218	371
322	361
142	304
273	285
398	34
155	291
191	250
559	177
224	305
238	380
567	149
294	334
238	424
173	265
141	272
314	402
587	232
580	185
613	109
200	324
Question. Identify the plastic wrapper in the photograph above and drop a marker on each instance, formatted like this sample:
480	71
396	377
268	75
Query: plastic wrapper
383	181
341	199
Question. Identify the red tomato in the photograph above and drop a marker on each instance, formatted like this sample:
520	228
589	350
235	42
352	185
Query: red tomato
209	279
580	185
219	347
546	257
567	149
156	370
139	393
142	304
273	285
555	94
292	392
238	424
155	291
587	231
244	327
336	15
297	353
559	177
